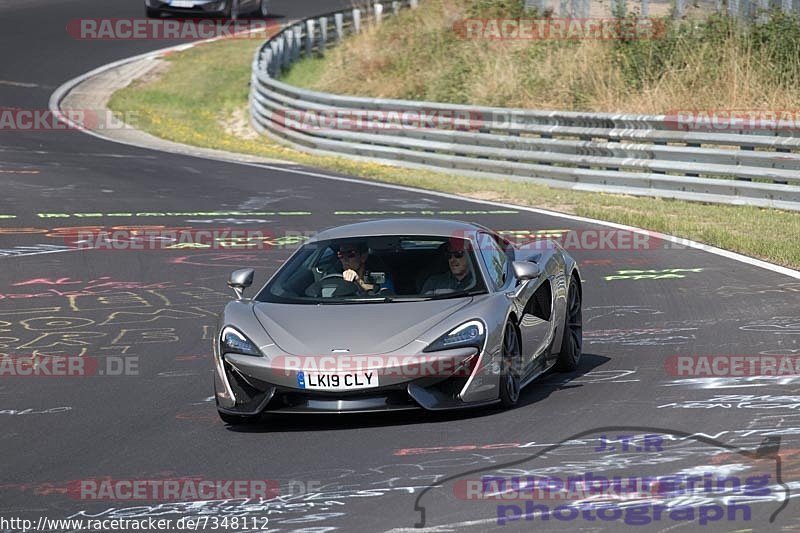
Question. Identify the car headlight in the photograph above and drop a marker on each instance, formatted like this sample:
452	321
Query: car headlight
471	333
232	340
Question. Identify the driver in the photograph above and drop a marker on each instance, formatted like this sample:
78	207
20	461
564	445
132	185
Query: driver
354	262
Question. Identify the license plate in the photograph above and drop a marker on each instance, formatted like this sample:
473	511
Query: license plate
337	381
182	3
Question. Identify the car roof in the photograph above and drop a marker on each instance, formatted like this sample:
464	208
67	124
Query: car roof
400	226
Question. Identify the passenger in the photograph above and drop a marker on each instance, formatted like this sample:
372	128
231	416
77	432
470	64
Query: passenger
459	277
354	262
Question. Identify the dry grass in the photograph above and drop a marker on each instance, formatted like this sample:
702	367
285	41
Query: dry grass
417	55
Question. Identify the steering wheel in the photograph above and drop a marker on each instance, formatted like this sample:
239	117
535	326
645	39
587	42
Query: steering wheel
334	282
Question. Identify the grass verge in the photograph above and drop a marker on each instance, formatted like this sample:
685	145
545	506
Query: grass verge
201	99
709	63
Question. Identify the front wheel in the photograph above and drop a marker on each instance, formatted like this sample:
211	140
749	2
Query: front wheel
509	375
572	340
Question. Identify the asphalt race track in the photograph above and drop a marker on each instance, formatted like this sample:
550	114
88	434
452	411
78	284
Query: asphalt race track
157	309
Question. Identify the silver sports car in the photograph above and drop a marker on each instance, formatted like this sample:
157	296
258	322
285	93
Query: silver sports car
398	314
227	8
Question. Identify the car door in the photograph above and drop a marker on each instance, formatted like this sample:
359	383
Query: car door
528	300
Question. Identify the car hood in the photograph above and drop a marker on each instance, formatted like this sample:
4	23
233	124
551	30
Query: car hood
363	329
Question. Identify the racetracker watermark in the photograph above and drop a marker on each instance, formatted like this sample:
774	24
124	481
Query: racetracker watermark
777	120
184	489
588	239
16	119
60	366
341	370
708	366
169	29
383	119
680	478
616	488
632	515
560	29
569	239
143	238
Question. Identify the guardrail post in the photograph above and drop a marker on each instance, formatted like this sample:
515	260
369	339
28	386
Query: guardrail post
273	45
395	7
323	35
378	8
357	20
413	4
309	36
286	50
645	8
338	21
298	36
266	60
680	9
763	9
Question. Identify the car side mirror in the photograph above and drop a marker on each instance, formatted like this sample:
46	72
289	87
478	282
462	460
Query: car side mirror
240	280
525	270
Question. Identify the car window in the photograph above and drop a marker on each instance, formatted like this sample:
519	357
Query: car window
390	269
495	259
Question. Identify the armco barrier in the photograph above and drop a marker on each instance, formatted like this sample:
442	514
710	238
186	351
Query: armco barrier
607	152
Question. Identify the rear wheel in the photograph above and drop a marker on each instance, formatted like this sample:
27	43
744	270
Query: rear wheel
509	374
152	13
572	340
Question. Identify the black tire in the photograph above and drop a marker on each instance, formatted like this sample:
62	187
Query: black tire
232	10
509	373
152	13
572	340
236	420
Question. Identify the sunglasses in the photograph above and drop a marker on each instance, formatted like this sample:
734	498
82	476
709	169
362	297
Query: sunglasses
457	255
349	254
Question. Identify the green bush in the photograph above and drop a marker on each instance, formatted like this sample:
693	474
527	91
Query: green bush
496	8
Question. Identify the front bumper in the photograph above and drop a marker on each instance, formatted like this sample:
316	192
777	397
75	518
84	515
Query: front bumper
248	385
215	7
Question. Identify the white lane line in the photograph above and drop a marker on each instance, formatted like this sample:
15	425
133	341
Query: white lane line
64	89
444	527
9	83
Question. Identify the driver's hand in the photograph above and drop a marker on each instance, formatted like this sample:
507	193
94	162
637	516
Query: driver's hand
350	275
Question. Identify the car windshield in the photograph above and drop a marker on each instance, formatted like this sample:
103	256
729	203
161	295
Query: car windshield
377	269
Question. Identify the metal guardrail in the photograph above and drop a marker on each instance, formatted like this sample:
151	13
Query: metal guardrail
606	152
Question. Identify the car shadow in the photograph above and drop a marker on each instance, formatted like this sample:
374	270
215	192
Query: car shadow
535	392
